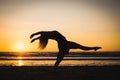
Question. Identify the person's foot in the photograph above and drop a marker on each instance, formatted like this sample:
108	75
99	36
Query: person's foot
96	48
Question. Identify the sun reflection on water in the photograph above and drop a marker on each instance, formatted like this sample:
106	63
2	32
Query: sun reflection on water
20	63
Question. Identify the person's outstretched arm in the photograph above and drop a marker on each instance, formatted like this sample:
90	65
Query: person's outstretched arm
32	35
35	39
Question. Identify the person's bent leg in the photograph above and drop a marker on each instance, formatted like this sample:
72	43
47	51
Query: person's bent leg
59	59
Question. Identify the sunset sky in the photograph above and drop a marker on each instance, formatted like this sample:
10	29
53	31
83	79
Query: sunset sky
88	22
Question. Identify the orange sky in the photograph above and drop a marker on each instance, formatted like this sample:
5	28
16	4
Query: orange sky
90	23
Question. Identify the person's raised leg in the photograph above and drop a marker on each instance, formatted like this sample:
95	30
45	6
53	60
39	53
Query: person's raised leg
73	45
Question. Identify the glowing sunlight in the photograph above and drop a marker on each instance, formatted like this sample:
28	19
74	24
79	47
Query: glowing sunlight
20	47
83	21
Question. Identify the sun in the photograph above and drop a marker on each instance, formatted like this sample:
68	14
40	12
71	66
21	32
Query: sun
20	47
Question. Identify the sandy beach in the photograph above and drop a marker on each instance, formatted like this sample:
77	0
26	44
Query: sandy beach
61	73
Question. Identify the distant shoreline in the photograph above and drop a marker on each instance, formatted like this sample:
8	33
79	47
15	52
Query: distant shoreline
54	54
65	58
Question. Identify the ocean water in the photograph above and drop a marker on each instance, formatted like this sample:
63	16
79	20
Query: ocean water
49	58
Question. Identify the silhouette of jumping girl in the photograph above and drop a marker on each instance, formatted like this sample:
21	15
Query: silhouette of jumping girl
63	45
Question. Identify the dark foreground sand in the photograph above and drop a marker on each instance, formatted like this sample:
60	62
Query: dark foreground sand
61	73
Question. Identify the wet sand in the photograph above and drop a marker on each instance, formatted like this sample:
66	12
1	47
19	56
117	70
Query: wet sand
60	73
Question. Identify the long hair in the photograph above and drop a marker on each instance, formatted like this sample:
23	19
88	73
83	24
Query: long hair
43	41
45	35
